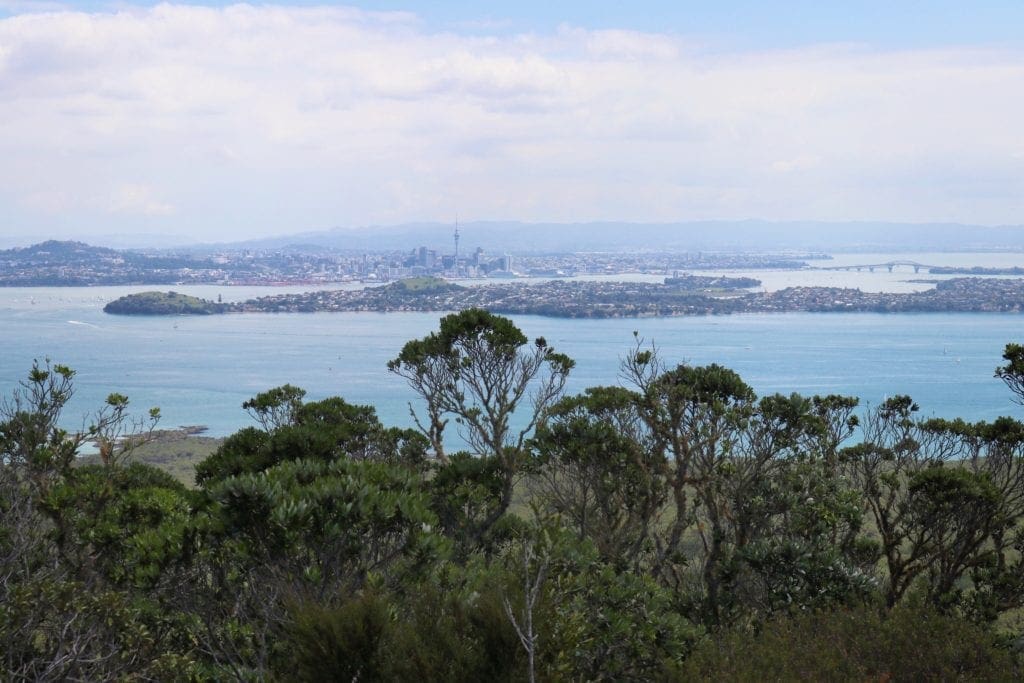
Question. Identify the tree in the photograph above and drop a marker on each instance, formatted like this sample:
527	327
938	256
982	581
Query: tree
533	582
695	416
789	517
595	466
275	407
600	623
931	520
959	510
1013	372
122	525
32	441
990	499
70	535
302	531
324	430
466	493
479	369
757	483
448	626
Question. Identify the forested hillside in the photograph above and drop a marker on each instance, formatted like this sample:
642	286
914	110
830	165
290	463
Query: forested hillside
672	527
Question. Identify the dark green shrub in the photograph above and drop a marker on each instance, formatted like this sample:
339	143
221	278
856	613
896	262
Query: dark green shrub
857	644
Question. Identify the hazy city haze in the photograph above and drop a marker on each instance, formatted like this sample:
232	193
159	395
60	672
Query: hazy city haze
227	122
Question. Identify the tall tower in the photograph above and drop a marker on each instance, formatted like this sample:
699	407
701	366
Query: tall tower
456	263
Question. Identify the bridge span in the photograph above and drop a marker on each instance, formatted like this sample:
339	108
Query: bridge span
890	265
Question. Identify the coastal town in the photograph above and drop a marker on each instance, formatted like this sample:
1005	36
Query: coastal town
683	296
55	264
424	279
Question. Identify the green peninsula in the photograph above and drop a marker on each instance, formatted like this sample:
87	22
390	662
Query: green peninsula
423	285
163	303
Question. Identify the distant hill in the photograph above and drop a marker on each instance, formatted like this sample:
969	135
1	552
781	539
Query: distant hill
70	253
496	237
53	251
68	263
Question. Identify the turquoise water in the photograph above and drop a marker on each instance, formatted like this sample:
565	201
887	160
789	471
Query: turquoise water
200	369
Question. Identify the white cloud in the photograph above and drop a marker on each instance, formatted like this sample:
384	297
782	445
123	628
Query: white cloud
619	44
135	199
279	118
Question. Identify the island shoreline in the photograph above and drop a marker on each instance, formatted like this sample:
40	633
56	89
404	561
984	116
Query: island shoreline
691	296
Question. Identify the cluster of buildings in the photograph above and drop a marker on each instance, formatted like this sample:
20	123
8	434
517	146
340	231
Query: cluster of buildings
73	263
56	263
560	298
959	295
425	261
701	296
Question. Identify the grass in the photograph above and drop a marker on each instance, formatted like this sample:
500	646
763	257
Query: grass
423	284
177	452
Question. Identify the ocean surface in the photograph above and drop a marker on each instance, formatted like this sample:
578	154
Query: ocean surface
199	370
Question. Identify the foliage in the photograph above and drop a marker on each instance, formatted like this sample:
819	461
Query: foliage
275	407
127	524
466	493
424	285
935	519
325	430
859	644
675	527
75	542
596	467
1013	372
59	630
450	626
335	520
479	369
305	530
607	624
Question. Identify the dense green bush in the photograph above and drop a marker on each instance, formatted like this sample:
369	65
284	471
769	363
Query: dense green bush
676	528
910	643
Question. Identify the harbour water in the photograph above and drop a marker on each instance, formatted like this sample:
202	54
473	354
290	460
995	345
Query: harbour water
199	370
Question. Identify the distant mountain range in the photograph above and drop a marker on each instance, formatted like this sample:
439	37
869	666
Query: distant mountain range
507	236
692	236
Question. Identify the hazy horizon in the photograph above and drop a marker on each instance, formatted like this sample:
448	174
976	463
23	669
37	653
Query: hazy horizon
738	236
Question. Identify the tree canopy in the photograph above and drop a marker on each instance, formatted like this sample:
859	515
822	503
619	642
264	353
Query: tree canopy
674	526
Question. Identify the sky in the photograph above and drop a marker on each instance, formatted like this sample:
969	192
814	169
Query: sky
219	121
